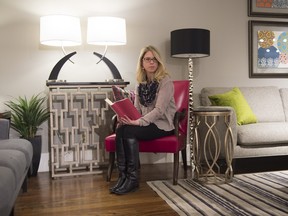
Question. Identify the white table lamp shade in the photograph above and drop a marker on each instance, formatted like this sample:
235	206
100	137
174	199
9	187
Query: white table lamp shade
60	30
106	31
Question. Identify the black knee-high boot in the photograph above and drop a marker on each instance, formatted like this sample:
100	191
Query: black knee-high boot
121	162
132	159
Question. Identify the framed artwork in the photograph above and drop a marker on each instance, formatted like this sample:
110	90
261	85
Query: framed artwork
268	49
268	8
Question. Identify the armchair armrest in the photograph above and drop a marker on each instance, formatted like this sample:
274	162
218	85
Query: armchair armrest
181	136
177	118
113	124
4	128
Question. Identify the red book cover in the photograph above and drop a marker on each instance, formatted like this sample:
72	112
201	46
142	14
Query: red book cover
124	107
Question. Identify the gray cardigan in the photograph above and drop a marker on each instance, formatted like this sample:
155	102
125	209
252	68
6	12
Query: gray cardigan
162	110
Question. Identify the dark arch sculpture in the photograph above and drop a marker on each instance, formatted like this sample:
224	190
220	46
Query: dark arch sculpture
56	69
116	74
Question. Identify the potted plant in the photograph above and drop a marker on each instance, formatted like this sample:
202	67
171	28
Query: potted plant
26	117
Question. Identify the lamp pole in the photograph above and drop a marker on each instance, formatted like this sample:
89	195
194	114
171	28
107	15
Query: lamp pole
191	116
190	43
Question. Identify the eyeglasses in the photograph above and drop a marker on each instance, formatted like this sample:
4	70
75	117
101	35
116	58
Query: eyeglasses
148	60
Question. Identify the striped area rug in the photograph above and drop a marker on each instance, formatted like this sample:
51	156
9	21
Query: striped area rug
249	194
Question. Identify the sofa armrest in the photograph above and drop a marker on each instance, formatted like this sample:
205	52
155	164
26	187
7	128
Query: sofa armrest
4	128
220	124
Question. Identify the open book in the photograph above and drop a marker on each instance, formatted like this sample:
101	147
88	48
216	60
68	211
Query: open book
124	107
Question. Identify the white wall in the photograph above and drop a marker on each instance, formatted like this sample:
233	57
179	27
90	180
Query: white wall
25	64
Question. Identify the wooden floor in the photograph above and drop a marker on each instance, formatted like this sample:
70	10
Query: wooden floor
89	195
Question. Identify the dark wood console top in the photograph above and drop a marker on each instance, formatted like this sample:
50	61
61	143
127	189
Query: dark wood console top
85	83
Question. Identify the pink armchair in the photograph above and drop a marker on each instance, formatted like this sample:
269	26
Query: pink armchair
170	144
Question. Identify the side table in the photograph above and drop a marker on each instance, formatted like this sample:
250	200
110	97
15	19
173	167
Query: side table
216	138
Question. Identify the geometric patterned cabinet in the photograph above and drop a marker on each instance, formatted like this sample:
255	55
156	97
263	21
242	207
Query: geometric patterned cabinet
79	122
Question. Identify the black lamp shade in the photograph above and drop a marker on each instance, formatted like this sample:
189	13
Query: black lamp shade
190	43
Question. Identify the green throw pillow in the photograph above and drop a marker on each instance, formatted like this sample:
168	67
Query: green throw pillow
235	99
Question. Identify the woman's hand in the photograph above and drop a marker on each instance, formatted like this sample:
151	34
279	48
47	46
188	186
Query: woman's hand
119	123
128	121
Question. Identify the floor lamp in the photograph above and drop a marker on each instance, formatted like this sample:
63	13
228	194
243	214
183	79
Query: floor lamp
190	43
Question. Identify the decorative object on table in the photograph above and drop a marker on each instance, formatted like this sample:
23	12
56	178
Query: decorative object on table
268	49
107	31
190	43
60	31
248	194
270	8
26	117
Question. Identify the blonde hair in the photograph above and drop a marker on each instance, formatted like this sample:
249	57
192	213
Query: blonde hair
161	70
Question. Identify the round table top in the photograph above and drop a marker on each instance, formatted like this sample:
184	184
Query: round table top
212	110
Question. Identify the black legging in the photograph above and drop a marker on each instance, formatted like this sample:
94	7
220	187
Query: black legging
149	132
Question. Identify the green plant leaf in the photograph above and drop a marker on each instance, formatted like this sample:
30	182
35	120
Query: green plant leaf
28	114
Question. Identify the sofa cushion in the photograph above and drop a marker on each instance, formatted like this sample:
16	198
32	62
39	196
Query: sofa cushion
265	102
16	161
22	145
235	99
208	91
266	133
284	97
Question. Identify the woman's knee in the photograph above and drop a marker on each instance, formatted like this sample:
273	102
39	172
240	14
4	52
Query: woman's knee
129	132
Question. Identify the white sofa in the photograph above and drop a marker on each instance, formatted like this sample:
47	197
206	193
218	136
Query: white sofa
267	137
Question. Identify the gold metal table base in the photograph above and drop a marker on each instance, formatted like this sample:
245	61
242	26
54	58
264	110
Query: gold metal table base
207	148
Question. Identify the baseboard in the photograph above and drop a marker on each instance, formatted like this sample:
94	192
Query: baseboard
146	158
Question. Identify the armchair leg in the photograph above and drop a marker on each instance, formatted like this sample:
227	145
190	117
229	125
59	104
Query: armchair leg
110	166
184	158
176	168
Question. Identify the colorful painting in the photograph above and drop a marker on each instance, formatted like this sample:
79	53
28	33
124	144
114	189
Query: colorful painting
268	8
268	49
272	49
264	3
271	3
